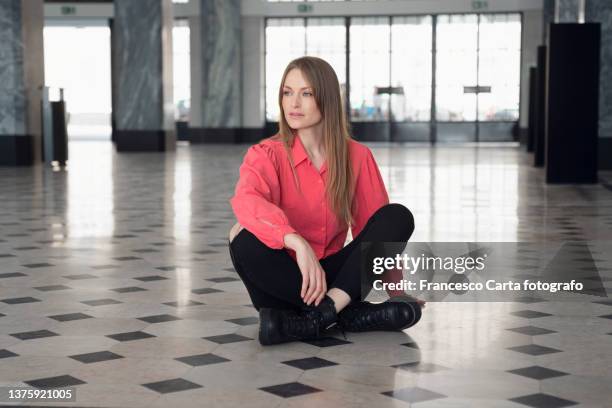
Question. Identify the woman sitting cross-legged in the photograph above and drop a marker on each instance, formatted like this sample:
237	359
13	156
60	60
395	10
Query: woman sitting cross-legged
298	193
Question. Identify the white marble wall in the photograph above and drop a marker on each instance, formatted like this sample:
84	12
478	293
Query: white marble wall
220	92
143	88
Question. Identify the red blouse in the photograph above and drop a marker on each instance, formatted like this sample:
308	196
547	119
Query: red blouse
268	203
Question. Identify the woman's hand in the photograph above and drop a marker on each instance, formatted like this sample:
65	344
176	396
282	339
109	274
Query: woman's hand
314	286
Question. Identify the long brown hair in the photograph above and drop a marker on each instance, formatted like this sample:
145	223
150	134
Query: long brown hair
326	90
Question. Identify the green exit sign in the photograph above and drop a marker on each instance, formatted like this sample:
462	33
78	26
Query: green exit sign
304	8
480	5
68	10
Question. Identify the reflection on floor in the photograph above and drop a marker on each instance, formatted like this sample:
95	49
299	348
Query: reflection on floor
115	278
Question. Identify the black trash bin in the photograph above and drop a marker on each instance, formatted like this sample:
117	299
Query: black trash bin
55	132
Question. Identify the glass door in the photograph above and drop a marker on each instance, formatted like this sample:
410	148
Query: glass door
477	77
456	77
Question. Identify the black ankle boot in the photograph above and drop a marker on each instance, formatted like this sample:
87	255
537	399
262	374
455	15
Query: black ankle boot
280	326
391	315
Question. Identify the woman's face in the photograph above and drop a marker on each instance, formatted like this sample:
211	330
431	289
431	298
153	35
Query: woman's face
299	104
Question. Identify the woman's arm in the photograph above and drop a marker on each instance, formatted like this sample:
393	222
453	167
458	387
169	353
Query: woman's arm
256	198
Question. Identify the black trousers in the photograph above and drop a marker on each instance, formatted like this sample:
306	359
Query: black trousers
273	279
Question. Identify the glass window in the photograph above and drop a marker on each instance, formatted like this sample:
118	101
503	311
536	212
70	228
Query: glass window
411	68
456	66
285	41
326	38
369	68
181	69
499	66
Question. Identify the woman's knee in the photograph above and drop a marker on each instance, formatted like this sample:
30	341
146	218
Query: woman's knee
399	219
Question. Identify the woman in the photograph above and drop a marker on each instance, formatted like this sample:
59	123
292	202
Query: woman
297	195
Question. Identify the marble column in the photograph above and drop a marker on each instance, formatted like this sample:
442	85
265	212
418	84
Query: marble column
600	11
548	16
568	11
216	86
21	81
143	109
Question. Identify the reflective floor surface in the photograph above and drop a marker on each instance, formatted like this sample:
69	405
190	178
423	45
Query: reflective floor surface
115	278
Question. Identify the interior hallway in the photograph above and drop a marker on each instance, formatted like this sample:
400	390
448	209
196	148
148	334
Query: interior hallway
115	277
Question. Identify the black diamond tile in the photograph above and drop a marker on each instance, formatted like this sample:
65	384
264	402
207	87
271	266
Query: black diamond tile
410	344
7	256
166	268
292	389
37	334
413	394
151	278
530	314
55	382
244	321
11	275
100	267
159	318
80	276
7	353
309	363
534	349
537	372
26	248
101	302
205	291
529	299
202	359
145	250
227	338
601	302
120	236
161	243
205	251
50	288
183	303
606	316
540	400
174	385
16	301
70	316
419	367
129	336
327	342
128	289
221	280
598	278
126	258
2	315
531	330
89	358
37	265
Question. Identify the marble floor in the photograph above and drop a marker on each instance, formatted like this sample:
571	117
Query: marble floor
115	279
